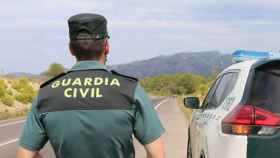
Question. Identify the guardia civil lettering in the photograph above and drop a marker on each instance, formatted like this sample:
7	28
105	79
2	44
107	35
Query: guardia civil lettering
85	87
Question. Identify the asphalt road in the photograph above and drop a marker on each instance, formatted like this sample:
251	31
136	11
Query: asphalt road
167	110
176	135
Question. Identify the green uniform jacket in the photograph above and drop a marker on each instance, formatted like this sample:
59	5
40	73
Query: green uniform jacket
91	112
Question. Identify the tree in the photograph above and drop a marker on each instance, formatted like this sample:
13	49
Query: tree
55	69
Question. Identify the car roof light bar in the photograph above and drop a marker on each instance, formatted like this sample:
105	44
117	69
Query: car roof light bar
244	55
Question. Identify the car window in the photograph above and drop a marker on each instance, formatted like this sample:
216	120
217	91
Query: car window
223	88
266	89
211	93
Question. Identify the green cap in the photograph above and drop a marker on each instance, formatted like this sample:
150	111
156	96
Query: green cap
87	26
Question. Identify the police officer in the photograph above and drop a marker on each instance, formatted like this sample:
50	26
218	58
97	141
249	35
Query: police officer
89	111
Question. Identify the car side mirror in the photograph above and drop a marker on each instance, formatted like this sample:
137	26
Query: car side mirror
192	102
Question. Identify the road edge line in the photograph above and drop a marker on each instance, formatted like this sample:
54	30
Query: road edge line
11	123
9	142
159	104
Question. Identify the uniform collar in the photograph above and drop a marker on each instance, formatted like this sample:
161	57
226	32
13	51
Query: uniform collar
88	64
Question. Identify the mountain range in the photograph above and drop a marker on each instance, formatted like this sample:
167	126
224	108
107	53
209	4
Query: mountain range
201	63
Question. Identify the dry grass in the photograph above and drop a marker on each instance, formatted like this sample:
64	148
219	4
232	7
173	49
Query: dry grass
11	112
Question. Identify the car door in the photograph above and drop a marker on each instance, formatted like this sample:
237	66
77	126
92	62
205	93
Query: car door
211	145
197	120
207	120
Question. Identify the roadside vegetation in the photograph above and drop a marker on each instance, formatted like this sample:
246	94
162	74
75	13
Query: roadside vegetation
180	85
16	96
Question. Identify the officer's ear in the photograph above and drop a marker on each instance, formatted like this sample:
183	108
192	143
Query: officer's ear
71	49
107	46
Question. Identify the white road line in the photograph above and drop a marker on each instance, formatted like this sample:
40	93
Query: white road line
9	142
11	123
159	104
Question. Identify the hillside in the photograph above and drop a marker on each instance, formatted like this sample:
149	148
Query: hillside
16	96
202	63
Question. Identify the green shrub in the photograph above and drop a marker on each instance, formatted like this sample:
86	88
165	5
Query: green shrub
203	89
3	88
9	92
176	84
8	100
25	98
21	85
26	92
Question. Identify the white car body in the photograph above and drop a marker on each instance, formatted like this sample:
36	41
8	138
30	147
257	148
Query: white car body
205	131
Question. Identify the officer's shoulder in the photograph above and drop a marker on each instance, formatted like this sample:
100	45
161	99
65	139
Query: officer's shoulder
128	77
52	79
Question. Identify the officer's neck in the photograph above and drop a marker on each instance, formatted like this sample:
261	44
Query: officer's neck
100	61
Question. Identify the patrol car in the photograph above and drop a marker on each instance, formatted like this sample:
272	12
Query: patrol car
239	117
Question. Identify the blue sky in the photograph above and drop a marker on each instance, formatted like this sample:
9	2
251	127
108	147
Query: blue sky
35	34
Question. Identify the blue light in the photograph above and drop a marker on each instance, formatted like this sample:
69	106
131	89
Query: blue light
243	55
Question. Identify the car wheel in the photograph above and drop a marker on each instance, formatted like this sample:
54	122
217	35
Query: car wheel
189	150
